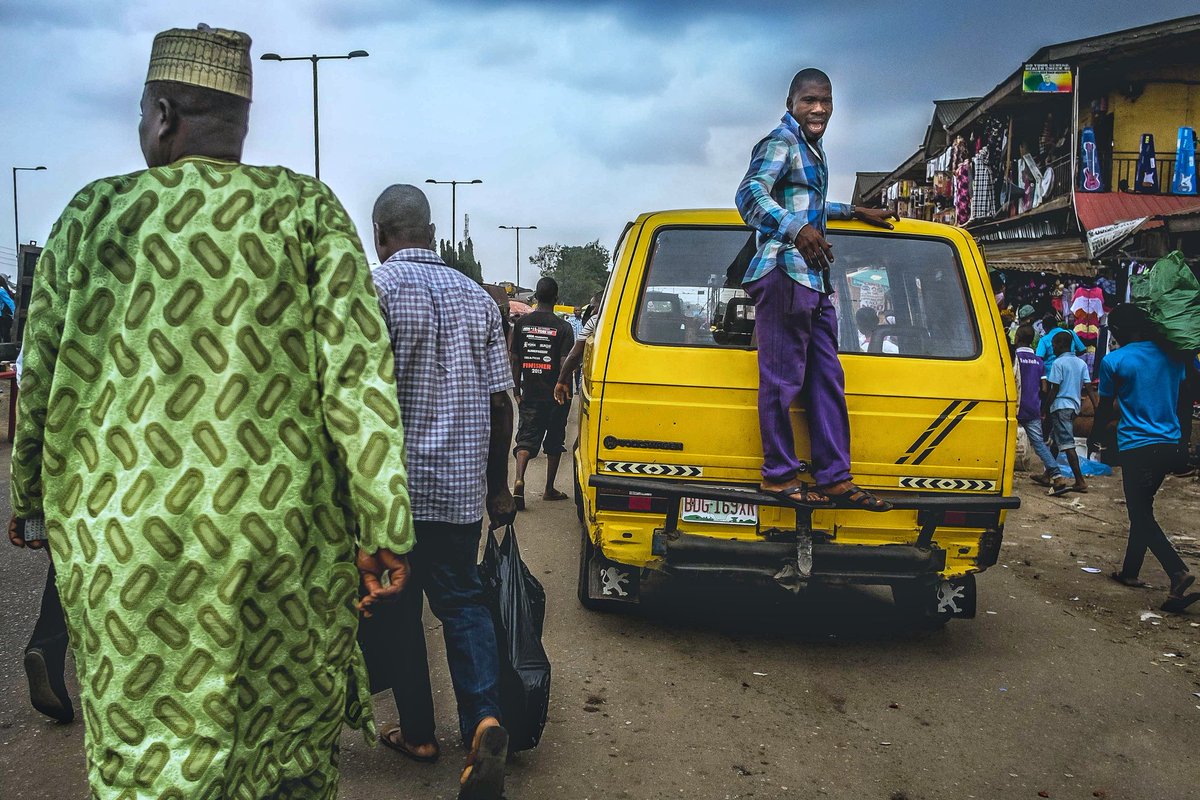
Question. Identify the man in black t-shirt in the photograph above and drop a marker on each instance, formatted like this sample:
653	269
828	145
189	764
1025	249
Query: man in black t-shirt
540	341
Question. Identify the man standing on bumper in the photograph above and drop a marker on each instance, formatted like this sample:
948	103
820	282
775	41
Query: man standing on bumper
208	422
453	379
783	197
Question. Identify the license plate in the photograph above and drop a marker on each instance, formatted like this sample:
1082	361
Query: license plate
718	512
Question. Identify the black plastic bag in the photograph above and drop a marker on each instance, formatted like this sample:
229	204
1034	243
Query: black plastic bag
518	604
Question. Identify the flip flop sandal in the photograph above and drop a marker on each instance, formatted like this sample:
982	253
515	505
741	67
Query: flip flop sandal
1177	605
1132	583
858	498
1059	492
519	495
556	495
1040	480
485	781
800	495
397	743
1078	489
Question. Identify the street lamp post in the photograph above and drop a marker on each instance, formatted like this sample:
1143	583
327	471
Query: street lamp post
314	58
16	216
453	207
518	229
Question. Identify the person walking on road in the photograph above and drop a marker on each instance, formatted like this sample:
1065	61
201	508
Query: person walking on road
540	342
1065	385
1146	381
208	425
1028	369
452	381
782	197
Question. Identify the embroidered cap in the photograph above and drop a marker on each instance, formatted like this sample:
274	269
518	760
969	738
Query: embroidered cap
213	58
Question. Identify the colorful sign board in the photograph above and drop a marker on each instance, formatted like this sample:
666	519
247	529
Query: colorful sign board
1048	78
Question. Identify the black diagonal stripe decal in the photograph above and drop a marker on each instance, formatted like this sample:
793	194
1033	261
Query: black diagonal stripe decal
915	446
945	432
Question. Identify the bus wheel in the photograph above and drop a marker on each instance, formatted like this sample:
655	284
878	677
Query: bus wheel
604	585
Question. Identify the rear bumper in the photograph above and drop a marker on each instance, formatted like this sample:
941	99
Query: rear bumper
804	554
688	553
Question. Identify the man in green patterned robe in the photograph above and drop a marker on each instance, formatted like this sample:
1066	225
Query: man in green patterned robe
208	423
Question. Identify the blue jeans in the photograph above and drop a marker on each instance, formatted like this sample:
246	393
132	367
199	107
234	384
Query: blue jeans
1037	440
443	569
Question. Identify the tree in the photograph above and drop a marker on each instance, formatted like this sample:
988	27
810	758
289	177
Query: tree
581	270
464	260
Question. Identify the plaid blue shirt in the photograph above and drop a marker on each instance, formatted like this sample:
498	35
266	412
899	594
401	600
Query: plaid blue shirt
450	357
783	191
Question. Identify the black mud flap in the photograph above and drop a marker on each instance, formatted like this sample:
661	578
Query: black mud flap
956	598
608	581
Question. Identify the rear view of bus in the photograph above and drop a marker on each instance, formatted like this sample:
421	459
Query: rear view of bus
668	463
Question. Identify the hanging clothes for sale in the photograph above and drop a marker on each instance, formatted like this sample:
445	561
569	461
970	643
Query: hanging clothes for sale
1184	181
1147	167
1031	181
983	188
1087	306
962	182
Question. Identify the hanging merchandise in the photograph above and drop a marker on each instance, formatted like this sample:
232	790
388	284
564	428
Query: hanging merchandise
1147	167
1033	179
1170	294
1089	179
983	188
1185	162
962	182
1087	306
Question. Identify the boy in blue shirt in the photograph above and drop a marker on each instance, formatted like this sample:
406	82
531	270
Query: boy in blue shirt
1147	382
1045	348
1065	381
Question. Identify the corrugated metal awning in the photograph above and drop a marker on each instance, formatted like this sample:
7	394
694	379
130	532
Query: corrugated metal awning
1058	256
1101	209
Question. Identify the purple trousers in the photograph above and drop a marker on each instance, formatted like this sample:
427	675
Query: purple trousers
798	362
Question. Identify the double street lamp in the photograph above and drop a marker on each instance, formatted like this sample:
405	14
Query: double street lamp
16	216
518	229
453	207
316	116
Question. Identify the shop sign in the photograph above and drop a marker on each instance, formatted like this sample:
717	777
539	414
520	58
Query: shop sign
1047	78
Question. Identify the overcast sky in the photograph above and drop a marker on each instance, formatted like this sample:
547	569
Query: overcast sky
576	115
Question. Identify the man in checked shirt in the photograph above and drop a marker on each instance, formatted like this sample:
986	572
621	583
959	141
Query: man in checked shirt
783	197
452	380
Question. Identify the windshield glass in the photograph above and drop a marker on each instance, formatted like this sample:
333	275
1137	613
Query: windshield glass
896	296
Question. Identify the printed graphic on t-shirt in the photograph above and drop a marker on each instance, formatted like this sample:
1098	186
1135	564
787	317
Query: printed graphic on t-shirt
537	353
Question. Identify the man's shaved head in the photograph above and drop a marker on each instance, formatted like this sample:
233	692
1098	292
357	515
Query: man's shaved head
808	75
401	220
402	212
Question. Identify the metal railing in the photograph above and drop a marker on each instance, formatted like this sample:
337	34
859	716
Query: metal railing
1124	172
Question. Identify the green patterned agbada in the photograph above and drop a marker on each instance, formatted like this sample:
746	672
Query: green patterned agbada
208	421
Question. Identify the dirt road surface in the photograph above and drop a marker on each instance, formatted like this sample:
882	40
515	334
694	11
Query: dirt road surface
1062	687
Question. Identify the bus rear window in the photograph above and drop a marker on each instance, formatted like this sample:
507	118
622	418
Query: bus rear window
895	295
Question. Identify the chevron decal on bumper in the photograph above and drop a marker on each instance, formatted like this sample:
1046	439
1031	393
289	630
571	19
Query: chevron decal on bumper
658	470
948	484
